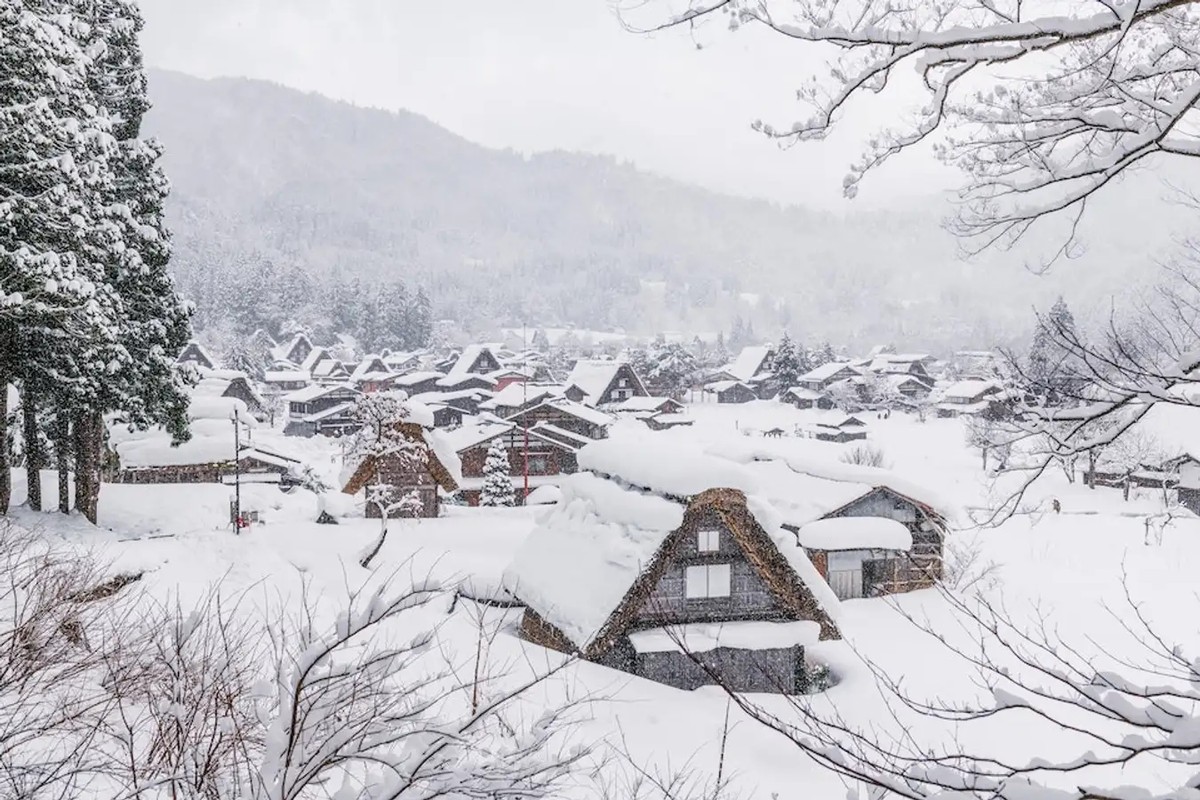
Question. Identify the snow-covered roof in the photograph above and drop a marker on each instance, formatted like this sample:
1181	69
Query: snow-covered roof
593	377
723	386
744	635
458	379
285	376
854	533
328	367
577	565
544	495
681	470
370	366
839	421
443	450
641	403
333	411
515	395
413	378
315	356
748	363
825	371
966	390
804	484
310	393
800	393
219	408
560	435
466	359
468	436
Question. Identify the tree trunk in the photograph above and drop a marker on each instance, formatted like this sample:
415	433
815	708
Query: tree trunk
90	442
5	464
1091	481
369	556
62	458
33	449
1125	488
984	451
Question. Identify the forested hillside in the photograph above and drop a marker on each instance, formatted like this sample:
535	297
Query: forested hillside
313	192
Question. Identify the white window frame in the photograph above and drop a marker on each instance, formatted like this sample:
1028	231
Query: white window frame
708	581
708	541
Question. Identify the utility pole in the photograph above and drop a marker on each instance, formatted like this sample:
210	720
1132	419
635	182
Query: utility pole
237	474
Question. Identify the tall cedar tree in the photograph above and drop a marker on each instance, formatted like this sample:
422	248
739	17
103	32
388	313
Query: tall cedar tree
55	309
1049	367
155	325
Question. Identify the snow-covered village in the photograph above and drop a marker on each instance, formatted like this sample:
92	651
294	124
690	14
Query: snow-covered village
605	400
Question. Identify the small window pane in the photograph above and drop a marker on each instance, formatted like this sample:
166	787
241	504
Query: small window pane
709	541
697	582
718	580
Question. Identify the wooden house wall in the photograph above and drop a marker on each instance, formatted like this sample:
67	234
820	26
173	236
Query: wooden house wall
918	568
395	473
561	419
749	597
736	394
557	460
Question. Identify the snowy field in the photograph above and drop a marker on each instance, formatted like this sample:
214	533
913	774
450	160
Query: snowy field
1065	573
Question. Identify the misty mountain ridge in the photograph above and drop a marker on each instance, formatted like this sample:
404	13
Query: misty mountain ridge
498	238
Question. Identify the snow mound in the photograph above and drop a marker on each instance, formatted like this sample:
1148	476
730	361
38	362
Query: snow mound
855	533
771	522
702	637
544	496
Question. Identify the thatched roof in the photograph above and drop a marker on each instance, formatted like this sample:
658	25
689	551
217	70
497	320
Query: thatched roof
590	567
365	470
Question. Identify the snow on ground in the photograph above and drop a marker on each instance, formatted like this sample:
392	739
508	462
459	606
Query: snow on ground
1061	572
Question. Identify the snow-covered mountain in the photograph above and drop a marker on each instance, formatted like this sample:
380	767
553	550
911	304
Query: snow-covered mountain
497	237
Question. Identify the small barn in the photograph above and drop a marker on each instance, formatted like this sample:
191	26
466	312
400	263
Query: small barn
805	399
439	470
732	391
839	428
685	590
821	378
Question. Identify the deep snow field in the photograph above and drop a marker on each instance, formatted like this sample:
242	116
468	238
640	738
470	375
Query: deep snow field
1064	573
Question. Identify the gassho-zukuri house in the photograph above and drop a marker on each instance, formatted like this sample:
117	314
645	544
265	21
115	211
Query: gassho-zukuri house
692	567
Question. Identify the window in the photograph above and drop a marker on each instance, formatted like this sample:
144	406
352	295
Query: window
623	382
709	541
711	580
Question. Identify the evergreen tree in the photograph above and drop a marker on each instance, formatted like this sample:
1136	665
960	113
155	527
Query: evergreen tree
395	317
133	248
823	355
672	370
719	355
738	337
497	480
58	315
1050	370
541	342
787	367
420	327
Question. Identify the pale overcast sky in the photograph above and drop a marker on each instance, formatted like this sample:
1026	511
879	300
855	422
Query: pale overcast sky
544	74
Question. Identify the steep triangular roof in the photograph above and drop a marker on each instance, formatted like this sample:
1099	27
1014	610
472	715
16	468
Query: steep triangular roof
592	563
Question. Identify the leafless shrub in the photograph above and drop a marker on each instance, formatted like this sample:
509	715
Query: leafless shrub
865	455
966	567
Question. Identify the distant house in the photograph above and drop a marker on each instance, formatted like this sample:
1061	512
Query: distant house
426	479
321	410
639	406
668	582
516	396
507	376
601	383
567	415
296	351
371	374
194	353
446	415
804	399
821	378
330	372
418	382
973	398
231	383
286	380
913	365
839	428
547	453
909	386
732	391
752	362
203	463
662	421
475	359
